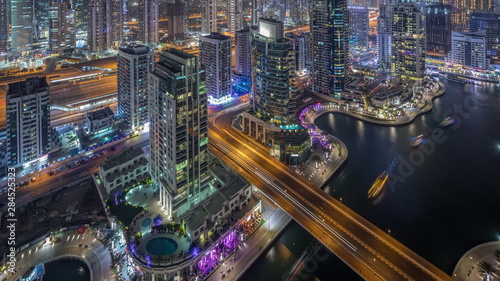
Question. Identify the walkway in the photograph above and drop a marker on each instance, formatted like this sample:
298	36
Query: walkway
467	268
407	118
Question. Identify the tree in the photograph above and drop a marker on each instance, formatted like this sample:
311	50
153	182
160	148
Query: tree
316	160
486	270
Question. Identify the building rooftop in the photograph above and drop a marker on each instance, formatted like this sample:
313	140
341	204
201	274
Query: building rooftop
136	50
216	36
121	158
20	87
100	114
179	53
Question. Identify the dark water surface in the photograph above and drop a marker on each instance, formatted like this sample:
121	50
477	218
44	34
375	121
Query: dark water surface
444	197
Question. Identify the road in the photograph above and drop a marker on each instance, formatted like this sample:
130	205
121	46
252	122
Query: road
68	94
45	183
369	251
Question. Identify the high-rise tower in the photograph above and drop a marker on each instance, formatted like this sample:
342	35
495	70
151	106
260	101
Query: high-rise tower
215	57
209	16
438	29
329	29
28	121
243	52
106	24
22	25
134	64
408	40
178	134
62	27
384	36
235	15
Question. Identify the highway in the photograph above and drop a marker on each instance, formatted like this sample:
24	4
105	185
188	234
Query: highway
45	183
371	252
69	94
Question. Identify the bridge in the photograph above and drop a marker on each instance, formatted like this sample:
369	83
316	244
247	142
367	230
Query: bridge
368	250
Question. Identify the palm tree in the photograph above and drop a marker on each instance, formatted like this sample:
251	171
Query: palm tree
486	270
316	159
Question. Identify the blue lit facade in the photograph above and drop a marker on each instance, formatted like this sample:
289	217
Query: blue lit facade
329	28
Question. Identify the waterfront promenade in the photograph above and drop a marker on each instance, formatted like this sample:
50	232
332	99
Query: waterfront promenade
468	269
330	105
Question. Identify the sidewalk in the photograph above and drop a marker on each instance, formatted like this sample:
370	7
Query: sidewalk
240	261
467	268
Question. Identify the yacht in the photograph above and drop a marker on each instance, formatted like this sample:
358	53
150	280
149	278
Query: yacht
416	141
447	122
378	185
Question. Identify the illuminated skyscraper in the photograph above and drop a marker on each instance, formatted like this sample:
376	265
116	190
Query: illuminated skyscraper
257	6
62	27
178	131
148	21
469	50
329	29
22	25
299	47
489	22
134	64
209	16
408	40
4	27
384	36
106	25
463	9
235	15
438	30
273	72
243	52
272	120
28	121
358	27
215	57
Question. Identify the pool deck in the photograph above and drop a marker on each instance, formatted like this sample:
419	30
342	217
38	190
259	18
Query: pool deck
145	196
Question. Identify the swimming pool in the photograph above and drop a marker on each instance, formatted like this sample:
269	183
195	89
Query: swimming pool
161	246
146	222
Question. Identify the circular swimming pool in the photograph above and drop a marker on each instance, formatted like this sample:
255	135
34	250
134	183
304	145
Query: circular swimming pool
161	246
146	222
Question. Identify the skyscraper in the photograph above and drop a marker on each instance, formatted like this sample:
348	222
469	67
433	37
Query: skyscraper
329	29
28	121
438	30
148	21
384	36
408	40
257	6
273	72
243	52
358	27
176	14
469	50
4	27
106	24
215	57
178	135
22	25
463	9
235	15
489	22
209	16
299	47
134	64
62	27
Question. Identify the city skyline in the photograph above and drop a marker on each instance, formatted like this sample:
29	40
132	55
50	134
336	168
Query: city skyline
202	140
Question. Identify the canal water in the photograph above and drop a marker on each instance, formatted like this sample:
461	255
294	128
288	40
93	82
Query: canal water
66	269
443	197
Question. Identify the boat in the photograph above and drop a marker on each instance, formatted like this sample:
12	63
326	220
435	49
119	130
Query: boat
378	185
447	122
416	141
